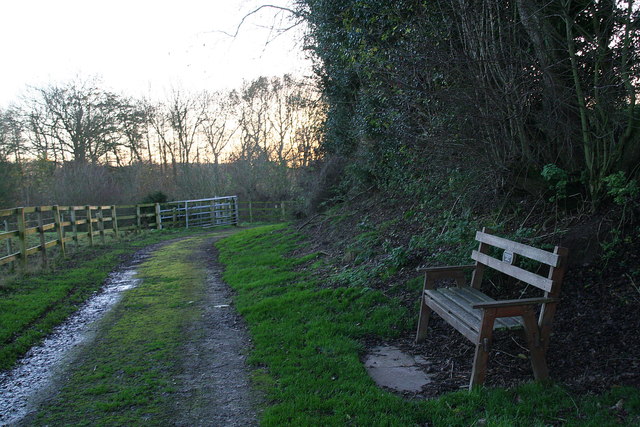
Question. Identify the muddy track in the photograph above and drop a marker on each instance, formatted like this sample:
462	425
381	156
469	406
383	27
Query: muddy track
214	384
39	372
213	387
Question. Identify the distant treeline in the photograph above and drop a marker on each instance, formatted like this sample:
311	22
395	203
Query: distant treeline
77	143
35	183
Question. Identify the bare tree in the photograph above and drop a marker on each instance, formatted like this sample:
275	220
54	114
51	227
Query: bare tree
159	121
218	124
186	114
134	120
80	117
12	141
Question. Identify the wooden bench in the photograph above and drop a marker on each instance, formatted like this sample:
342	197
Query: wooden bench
476	315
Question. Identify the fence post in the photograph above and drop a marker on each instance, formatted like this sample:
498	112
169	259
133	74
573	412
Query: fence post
89	225
22	238
186	214
43	240
250	212
9	246
59	228
114	222
138	218
283	212
158	217
237	210
100	216
74	225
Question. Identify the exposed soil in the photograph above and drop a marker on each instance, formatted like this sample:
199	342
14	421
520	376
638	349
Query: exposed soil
595	343
214	386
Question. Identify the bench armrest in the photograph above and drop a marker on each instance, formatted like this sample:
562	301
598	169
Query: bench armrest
514	302
445	269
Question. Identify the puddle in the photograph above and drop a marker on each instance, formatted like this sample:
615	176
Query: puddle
389	367
23	387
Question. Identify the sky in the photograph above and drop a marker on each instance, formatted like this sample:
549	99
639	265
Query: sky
142	47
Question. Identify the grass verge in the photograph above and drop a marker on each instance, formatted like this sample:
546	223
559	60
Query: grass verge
33	304
308	347
127	376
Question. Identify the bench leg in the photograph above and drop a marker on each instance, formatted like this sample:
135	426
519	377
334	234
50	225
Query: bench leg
483	346
532	333
423	320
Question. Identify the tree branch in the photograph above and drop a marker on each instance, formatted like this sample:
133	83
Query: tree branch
258	9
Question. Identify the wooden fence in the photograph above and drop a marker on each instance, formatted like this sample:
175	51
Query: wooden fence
251	211
31	230
42	229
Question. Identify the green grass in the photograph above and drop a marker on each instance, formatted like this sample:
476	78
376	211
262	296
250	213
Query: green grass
31	305
308	349
127	376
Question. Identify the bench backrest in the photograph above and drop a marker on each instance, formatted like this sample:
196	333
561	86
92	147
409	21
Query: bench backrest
556	261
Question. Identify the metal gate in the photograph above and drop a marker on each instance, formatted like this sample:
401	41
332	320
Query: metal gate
217	211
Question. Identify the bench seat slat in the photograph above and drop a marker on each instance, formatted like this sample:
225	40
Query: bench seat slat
513	271
474	296
454	305
451	319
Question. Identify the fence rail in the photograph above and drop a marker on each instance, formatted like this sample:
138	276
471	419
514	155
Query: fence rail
42	229
200	213
252	211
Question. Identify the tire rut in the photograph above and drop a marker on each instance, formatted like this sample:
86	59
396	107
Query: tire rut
214	386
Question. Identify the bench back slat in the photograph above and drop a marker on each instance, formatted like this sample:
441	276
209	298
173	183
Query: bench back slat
536	254
513	271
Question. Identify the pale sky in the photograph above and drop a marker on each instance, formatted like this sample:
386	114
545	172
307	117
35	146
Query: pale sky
141	47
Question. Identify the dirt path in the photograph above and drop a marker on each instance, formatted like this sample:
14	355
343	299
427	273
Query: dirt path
41	371
214	385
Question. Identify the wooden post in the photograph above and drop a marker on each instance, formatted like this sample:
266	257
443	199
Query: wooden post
536	345
478	272
43	240
158	217
138	218
8	243
283	213
89	225
186	214
60	229
22	238
114	222
173	222
250	212
237	211
214	214
483	345
100	216
74	225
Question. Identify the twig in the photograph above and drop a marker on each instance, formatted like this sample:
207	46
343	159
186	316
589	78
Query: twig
258	9
518	344
530	212
307	222
446	223
633	283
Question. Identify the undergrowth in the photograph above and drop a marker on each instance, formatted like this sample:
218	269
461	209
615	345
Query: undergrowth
309	344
